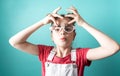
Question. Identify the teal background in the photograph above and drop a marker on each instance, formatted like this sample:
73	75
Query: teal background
16	15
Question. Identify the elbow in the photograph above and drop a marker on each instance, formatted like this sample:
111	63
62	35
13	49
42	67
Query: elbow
112	48
115	48
15	43
12	42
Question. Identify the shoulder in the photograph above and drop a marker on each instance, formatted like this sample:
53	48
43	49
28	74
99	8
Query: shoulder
44	47
44	51
82	50
81	54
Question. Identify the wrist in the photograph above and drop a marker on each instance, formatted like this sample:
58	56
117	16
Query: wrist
41	22
81	23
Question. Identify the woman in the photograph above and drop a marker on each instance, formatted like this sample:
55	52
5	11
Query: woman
63	60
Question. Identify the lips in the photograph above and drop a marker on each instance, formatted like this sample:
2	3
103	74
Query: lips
63	39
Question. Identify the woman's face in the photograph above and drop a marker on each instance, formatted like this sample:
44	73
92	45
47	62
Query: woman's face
63	33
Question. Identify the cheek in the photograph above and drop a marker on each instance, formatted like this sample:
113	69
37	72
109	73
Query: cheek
54	36
72	36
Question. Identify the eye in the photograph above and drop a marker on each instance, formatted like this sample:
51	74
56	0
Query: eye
57	29
68	29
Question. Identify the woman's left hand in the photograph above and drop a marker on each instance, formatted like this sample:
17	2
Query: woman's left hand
75	15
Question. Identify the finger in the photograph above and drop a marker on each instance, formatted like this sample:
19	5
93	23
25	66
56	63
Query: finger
72	21
71	10
53	20
72	7
49	14
56	15
56	10
70	15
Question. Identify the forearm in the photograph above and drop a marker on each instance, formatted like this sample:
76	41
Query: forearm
107	46
22	36
104	41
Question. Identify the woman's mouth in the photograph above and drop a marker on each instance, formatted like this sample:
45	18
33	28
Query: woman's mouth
63	39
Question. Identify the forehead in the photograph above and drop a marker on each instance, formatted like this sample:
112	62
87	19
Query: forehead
63	22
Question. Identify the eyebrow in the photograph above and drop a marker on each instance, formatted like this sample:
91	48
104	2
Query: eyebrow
60	25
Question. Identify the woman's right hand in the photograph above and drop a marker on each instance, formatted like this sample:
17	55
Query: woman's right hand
19	40
51	17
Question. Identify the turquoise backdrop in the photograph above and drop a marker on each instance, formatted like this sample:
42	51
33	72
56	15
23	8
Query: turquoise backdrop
16	15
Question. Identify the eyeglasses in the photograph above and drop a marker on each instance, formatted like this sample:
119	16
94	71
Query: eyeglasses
67	29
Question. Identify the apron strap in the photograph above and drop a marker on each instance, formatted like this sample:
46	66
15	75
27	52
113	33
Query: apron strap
73	55
51	55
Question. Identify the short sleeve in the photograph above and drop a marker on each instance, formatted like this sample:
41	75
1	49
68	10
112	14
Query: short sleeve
44	52
82	56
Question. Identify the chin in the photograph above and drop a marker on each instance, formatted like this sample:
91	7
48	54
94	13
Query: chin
64	45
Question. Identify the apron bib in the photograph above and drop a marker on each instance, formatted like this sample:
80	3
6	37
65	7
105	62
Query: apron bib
55	69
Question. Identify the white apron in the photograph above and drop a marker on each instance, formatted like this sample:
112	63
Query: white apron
55	69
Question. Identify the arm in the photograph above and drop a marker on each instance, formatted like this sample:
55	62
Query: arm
107	46
19	40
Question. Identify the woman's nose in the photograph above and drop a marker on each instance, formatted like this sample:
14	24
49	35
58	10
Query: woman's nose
62	32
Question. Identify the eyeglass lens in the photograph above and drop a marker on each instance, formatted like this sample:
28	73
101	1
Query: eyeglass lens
66	29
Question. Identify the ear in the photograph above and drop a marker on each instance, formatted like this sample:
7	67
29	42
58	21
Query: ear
74	35
52	37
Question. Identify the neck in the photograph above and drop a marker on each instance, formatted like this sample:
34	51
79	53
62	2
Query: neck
62	51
